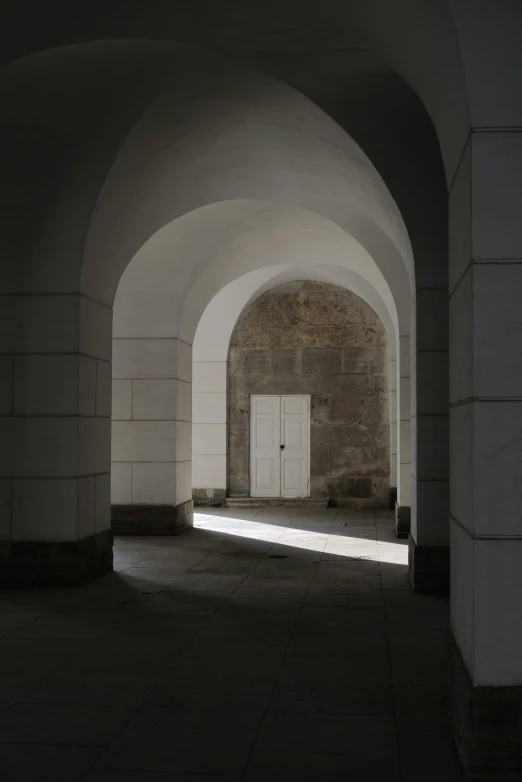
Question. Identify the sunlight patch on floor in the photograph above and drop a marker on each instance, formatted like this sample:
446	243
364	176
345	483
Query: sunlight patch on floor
321	536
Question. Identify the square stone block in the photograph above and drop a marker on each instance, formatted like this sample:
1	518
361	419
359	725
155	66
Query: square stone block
154	483
319	361
144	358
184	370
103	388
209	408
431	319
459	218
209	376
360	461
497	329
345	486
121	483
121	399
253	362
95	329
363	361
135	441
320	409
432	383
286	361
319	460
48	385
53	510
209	471
6	383
154	399
497	196
209	438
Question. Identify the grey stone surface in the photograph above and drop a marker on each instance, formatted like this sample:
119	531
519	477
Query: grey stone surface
486	723
317	339
402	520
286	361
151	519
322	361
214	498
56	564
429	568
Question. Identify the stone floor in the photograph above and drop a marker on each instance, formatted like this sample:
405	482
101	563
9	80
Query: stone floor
270	645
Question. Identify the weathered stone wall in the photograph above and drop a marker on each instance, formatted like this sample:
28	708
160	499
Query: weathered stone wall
317	339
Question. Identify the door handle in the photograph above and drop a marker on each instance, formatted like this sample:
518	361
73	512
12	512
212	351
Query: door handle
282	447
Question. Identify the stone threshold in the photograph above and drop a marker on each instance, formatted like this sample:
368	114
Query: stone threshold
268	502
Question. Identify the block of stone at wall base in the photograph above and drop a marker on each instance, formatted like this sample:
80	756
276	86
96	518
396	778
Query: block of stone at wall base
151	519
393	497
348	486
358	503
214	498
66	563
402	520
486	723
429	568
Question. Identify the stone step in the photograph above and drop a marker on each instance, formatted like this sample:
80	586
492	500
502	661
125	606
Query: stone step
267	502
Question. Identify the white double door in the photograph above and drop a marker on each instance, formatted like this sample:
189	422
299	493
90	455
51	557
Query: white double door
279	446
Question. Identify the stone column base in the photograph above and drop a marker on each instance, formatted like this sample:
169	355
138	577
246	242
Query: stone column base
429	568
151	519
56	564
402	520
393	497
486	724
213	498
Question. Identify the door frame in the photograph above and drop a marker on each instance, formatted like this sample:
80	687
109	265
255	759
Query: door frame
307	397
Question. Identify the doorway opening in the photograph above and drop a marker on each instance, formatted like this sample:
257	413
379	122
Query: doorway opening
279	446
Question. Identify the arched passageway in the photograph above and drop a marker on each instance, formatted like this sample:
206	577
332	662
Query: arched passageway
113	158
299	338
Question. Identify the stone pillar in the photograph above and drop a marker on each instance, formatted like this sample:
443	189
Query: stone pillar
55	390
429	540
209	432
402	508
392	392
151	436
486	453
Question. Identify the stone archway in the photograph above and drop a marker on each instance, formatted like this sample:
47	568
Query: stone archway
316	339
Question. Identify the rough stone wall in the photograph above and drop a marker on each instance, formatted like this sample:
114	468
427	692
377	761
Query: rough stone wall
317	339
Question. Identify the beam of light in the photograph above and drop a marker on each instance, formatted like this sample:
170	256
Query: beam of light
320	536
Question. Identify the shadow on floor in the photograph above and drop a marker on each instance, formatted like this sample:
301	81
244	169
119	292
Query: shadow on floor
246	649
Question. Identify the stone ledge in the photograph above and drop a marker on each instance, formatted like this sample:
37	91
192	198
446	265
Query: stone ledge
429	568
486	724
402	520
151	519
64	563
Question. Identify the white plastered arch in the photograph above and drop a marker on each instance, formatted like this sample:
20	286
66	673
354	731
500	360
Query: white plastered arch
224	140
210	358
233	245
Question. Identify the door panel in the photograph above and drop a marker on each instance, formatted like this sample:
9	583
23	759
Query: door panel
265	441
266	475
293	432
295	429
293	477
